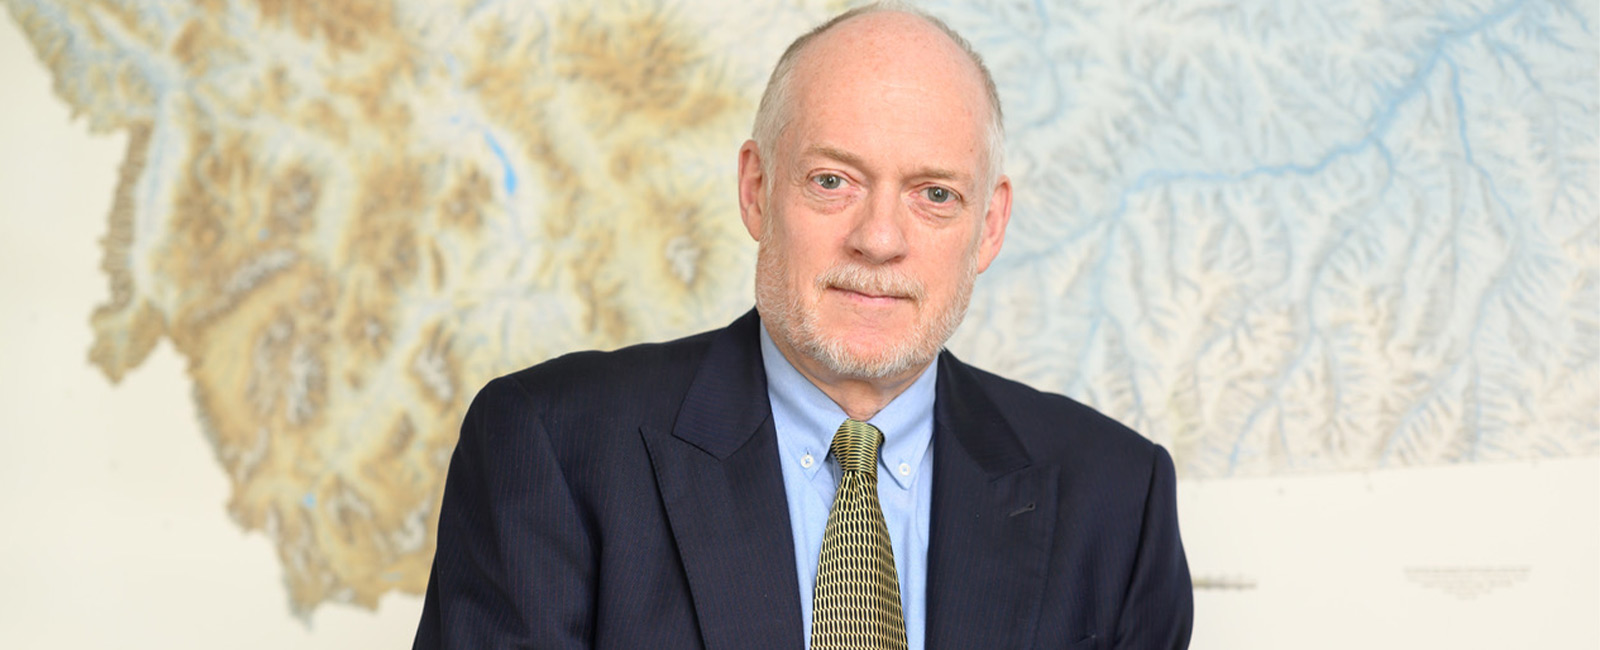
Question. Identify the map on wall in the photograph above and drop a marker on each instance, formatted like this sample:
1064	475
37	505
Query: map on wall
1276	237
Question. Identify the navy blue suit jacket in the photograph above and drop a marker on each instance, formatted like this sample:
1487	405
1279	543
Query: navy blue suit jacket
633	499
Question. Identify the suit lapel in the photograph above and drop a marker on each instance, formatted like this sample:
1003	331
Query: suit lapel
723	489
993	514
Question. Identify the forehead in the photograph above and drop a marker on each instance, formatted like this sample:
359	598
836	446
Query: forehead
888	86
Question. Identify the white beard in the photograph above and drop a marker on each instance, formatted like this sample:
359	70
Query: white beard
787	317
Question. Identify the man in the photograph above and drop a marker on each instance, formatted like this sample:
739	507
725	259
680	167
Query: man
729	490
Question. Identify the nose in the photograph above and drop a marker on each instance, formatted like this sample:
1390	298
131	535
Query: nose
879	235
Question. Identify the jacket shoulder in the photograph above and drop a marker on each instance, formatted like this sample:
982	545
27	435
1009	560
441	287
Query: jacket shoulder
595	388
650	363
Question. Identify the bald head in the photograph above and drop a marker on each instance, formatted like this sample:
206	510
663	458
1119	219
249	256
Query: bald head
871	49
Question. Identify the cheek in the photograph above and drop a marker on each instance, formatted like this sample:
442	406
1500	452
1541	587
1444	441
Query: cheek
786	267
945	277
805	257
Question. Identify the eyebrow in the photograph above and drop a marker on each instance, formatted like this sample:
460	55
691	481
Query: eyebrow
854	160
835	153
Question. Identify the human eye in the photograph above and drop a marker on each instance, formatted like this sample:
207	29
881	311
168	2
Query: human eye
937	194
828	181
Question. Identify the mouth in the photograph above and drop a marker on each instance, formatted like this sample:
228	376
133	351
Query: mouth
867	296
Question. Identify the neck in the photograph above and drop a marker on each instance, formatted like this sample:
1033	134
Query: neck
860	398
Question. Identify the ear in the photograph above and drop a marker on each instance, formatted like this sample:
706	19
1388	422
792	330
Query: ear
994	223
750	182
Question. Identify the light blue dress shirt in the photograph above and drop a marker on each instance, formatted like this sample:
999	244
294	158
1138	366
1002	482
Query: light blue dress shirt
806	419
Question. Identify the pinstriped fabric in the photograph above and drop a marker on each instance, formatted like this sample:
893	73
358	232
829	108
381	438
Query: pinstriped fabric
856	605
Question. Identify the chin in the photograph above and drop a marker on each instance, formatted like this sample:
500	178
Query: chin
850	342
875	358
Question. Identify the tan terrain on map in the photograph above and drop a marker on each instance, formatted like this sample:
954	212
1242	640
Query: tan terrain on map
318	211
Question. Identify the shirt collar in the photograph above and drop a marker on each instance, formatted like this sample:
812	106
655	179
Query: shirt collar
808	418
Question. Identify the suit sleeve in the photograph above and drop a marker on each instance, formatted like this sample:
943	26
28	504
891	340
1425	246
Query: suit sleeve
1159	608
514	565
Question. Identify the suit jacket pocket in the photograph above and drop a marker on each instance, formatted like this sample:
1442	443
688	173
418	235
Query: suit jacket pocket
1087	643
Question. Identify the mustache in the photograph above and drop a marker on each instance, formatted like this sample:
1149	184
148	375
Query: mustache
872	281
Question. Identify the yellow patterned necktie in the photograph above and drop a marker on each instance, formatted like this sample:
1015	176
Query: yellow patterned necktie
857	602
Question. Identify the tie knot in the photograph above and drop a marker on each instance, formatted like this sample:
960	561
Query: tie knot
855	446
